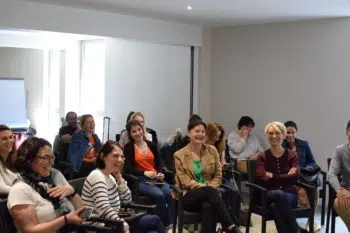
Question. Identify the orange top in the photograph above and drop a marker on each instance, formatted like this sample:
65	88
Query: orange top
91	150
144	162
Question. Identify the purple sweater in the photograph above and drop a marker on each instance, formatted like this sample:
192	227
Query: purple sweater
279	167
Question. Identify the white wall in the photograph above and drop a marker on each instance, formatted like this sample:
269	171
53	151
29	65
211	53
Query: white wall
35	16
27	64
288	71
151	78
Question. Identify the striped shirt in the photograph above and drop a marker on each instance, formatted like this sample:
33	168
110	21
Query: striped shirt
104	195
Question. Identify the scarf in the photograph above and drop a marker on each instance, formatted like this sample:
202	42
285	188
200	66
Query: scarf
42	185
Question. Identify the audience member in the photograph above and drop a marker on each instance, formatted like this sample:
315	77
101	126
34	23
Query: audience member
142	160
7	159
340	167
198	176
150	134
85	144
277	171
42	200
306	161
105	189
243	144
65	134
215	135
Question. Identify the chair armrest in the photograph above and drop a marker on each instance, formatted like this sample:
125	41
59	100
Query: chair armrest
116	225
254	187
130	176
167	170
85	227
177	191
226	187
139	206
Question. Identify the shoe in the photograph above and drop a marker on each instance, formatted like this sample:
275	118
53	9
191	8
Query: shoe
317	227
235	229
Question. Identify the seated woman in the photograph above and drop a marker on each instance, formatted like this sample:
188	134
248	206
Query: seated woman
105	189
42	200
277	170
198	176
84	146
306	160
150	134
142	160
215	134
7	158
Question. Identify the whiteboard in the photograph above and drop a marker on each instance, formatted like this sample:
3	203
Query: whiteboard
13	103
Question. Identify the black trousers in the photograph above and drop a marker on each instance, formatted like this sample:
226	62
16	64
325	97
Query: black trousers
280	204
194	199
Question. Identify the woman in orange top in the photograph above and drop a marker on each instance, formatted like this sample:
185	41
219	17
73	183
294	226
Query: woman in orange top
142	160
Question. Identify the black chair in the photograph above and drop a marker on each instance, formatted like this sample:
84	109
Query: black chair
117	137
262	208
239	176
331	213
78	184
322	195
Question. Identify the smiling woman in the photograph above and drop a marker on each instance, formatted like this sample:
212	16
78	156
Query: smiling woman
42	201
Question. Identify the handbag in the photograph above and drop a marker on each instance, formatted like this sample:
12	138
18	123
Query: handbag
310	174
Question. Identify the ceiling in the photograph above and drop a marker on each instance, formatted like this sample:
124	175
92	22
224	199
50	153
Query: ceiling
218	13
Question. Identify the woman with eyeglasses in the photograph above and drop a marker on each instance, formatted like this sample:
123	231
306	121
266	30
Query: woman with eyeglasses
41	200
277	170
143	161
105	190
7	157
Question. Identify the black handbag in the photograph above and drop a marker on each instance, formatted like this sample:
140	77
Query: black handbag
309	175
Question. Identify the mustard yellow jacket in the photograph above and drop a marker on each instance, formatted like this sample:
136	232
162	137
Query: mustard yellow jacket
185	177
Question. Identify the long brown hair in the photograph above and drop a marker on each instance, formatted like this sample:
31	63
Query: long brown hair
211	133
10	161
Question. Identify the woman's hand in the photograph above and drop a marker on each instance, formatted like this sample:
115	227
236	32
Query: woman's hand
160	176
73	217
292	171
150	174
61	191
118	176
269	174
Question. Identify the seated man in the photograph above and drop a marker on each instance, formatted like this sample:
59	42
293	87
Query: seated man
242	144
65	134
340	165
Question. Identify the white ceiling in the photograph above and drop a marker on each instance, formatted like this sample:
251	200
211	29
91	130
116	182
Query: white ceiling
216	13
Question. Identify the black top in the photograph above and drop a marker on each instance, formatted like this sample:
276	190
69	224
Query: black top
129	153
63	147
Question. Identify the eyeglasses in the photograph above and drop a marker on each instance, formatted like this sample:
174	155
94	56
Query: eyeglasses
46	157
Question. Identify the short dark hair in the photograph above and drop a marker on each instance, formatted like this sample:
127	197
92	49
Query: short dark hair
83	118
105	150
194	117
192	124
130	124
71	112
291	124
129	116
245	121
27	152
348	125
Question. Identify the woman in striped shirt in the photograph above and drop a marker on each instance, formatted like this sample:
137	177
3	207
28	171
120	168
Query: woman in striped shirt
105	189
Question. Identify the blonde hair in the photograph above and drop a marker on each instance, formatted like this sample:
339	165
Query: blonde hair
277	127
211	134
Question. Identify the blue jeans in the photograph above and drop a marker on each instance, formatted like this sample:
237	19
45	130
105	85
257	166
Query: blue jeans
163	198
147	224
281	204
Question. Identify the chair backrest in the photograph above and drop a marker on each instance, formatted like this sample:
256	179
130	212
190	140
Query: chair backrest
251	170
6	221
78	184
117	137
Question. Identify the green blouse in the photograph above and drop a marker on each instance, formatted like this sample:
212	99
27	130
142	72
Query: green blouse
197	168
